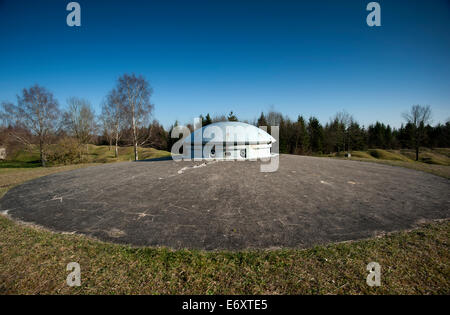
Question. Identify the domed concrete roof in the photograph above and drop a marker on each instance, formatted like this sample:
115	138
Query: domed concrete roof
230	131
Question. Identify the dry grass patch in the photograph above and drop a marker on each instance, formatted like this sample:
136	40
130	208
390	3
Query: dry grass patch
34	261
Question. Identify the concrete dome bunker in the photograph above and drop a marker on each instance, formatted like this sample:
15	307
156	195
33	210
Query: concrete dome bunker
228	141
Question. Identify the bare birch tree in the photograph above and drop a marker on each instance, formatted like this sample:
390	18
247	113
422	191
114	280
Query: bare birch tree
135	92
36	111
112	118
342	121
79	120
419	116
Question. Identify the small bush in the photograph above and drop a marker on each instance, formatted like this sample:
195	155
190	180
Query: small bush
67	151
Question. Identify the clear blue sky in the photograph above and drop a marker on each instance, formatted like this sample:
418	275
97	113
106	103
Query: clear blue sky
299	57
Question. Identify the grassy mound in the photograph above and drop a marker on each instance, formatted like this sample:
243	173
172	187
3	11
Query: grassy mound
103	154
388	155
362	154
435	161
443	151
435	156
95	154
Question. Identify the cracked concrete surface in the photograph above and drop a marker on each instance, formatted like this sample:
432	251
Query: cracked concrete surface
231	205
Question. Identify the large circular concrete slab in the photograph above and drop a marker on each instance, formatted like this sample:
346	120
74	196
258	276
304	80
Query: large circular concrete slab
231	205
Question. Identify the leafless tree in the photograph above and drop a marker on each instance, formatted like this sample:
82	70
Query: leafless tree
36	111
274	118
418	117
105	124
135	92
79	120
219	118
342	122
112	118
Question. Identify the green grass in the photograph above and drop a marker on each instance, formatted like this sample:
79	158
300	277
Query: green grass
95	154
23	159
33	261
20	164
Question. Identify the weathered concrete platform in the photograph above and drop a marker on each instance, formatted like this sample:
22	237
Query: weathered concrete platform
231	205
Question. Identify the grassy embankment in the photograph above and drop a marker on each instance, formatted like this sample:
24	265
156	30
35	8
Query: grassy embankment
436	161
34	261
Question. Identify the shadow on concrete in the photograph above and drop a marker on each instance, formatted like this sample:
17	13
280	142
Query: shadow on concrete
166	158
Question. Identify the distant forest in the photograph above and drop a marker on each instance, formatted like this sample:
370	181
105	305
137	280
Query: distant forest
344	133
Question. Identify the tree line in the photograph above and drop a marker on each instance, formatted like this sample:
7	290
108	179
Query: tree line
342	133
37	119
